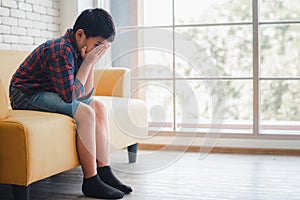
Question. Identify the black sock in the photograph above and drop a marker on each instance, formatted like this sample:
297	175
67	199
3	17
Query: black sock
106	174
95	187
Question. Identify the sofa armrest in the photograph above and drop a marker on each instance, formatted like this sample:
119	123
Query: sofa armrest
112	82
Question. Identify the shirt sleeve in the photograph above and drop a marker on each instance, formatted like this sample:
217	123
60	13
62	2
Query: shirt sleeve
62	75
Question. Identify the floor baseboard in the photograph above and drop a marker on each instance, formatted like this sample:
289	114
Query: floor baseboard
237	150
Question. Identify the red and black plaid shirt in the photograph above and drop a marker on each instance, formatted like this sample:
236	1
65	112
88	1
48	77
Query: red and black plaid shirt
51	67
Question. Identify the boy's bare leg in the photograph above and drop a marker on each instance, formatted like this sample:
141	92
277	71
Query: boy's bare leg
86	145
92	185
102	134
102	149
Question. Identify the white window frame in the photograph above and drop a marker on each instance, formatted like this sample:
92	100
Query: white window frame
256	78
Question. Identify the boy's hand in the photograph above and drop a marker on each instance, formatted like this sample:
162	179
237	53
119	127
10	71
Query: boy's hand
92	57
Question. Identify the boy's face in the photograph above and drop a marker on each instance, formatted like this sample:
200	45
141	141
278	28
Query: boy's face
90	43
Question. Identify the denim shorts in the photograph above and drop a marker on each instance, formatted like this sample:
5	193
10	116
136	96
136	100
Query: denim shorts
44	101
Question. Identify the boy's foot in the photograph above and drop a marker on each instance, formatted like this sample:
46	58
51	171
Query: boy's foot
95	187
106	175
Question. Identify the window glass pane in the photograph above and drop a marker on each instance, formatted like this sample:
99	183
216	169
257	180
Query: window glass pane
194	103
229	46
124	51
199	101
280	53
280	108
280	10
155	54
128	13
239	105
153	64
158	97
124	12
157	12
216	11
147	52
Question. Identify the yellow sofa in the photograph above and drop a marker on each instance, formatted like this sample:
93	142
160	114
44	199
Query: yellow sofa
35	145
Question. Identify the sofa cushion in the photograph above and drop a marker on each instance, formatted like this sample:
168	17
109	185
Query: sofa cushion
10	61
127	120
3	103
35	145
112	82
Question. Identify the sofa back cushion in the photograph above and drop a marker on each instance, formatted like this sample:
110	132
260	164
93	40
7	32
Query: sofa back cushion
9	62
3	103
112	82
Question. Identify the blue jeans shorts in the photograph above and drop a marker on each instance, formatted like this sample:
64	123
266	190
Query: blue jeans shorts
44	101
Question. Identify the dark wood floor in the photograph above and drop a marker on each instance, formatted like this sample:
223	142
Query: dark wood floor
215	177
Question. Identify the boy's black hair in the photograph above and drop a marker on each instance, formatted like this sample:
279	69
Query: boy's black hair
96	22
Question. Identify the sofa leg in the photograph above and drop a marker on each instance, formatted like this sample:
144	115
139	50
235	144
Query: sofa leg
132	152
21	192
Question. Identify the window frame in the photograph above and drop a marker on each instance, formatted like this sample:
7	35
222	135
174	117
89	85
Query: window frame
256	78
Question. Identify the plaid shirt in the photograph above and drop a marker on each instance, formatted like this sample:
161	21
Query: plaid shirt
52	67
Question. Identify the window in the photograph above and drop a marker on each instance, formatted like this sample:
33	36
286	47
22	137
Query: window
279	67
198	62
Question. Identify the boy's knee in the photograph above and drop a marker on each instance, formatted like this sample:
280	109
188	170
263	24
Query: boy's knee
100	106
84	112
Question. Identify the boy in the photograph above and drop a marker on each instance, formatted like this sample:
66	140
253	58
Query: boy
58	77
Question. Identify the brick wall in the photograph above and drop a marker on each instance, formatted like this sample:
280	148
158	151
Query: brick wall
24	24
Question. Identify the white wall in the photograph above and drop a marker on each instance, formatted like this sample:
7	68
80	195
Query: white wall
70	9
68	14
24	24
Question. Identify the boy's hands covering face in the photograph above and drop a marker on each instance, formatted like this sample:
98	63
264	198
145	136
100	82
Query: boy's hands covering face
93	56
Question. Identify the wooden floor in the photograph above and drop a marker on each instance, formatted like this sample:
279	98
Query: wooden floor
188	177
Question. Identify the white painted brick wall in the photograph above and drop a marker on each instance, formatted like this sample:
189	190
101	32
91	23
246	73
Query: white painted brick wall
25	24
39	40
52	12
4	11
9	3
35	2
10	21
52	27
47	34
39	9
47	3
25	6
33	32
10	39
15	30
26	39
47	18
40	25
33	16
4	29
17	13
5	46
19	46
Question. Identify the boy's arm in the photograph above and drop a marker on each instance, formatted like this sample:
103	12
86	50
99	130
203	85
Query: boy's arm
89	85
88	68
61	74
